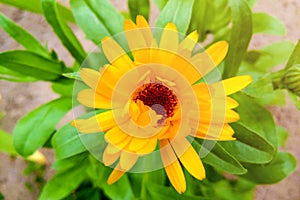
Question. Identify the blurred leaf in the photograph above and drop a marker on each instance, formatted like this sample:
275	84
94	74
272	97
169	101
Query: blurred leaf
269	56
23	37
249	146
256	119
72	75
6	143
281	166
266	24
295	57
210	17
122	189
139	7
160	3
34	129
158	191
241	33
10	75
282	134
92	26
31	64
214	154
63	87
64	164
251	3
35	6
260	87
295	99
111	18
62	30
277	98
84	194
1	196
177	11
64	182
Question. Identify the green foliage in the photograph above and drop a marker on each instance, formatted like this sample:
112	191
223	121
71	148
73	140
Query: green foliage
62	30
177	11
266	24
6	143
139	7
35	128
31	64
35	7
241	33
160	3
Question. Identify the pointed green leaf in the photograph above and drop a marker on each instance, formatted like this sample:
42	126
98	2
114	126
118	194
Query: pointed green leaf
64	182
241	33
10	75
23	37
160	3
62	30
6	143
139	7
34	129
295	57
214	154
249	146
35	6
31	64
264	23
177	11
281	166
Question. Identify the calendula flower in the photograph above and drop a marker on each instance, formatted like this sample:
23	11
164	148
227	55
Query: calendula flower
155	101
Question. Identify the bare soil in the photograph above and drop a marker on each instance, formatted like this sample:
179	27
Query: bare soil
20	98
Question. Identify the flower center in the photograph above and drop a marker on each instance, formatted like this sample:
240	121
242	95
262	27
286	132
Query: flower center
158	97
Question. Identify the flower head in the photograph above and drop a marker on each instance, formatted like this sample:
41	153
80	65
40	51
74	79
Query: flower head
155	101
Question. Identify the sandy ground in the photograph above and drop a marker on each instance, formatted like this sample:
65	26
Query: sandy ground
19	98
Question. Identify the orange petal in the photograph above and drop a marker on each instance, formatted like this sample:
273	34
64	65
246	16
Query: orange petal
115	175
91	99
127	160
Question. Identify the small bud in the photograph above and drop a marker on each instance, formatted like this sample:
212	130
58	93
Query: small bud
37	157
291	79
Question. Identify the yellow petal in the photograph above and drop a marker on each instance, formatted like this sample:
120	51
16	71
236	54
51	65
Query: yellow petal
149	147
233	85
116	55
215	132
108	158
169	38
172	167
127	160
114	176
115	135
90	77
231	116
218	51
138	143
91	99
99	123
134	36
231	103
190	41
189	159
145	29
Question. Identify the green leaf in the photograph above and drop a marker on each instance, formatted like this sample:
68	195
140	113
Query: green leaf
214	154
295	57
6	143
34	129
160	3
91	25
23	37
260	87
64	164
249	146
107	14
35	6
177	11
99	174
241	33
282	135
256	119
158	191
10	75
31	64
63	87
281	166
264	23
62	30
139	7
295	99
64	182
211	17
269	56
